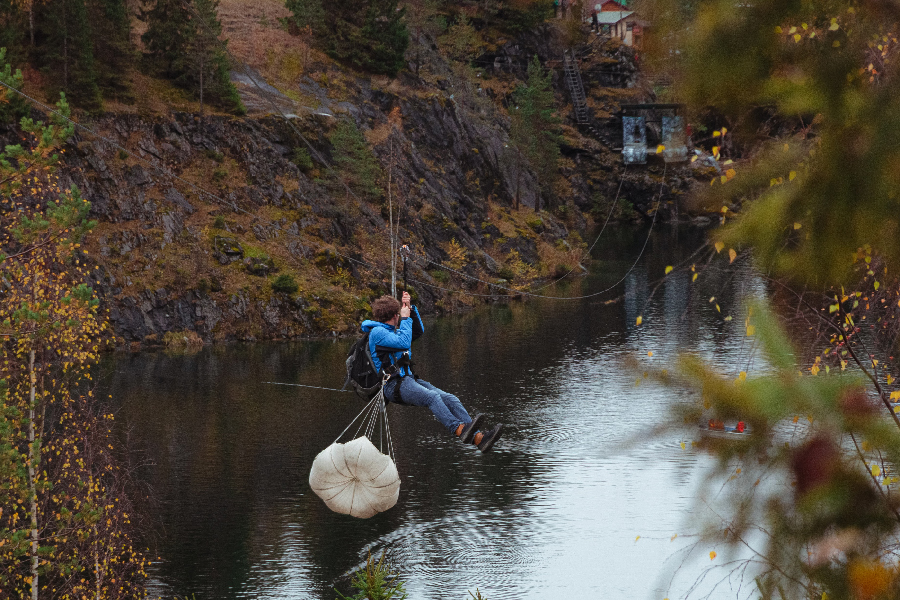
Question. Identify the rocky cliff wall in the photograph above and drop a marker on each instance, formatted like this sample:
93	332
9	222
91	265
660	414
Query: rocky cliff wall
200	215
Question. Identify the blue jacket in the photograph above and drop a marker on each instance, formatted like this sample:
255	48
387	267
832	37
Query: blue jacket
391	342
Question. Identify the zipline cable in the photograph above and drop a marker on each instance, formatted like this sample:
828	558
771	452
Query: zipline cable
315	387
523	293
597	239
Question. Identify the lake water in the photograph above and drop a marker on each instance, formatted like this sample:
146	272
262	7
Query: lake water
554	511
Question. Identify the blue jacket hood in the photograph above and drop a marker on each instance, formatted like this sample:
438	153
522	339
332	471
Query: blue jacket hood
368	325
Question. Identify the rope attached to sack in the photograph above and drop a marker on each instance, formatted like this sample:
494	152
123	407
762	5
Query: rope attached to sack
373	414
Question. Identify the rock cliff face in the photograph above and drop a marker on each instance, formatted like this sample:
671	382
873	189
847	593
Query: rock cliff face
202	214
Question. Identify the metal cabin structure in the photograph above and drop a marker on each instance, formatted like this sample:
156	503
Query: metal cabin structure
647	126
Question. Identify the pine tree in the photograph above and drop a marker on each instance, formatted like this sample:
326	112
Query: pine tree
209	62
535	127
305	13
66	52
113	51
168	34
183	46
357	166
370	35
13	31
12	106
461	42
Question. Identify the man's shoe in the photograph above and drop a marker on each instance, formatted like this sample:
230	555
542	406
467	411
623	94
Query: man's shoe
485	441
466	431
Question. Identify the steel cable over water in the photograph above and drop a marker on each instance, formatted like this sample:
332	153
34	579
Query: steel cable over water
516	293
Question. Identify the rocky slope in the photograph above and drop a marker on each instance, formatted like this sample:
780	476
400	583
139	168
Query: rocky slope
203	213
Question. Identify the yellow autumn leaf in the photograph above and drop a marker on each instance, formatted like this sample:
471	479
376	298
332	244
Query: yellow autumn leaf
650	353
731	255
796	418
895	395
728	318
712	555
637	538
742	376
694	158
715	151
834	27
730	173
718	309
890	379
724	131
797	225
683	446
669	269
639	320
660	148
797	38
792	29
751	330
877	285
694	278
876	470
723	179
720	245
833	308
778	29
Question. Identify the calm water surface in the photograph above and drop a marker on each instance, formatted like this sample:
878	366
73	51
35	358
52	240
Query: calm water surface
553	512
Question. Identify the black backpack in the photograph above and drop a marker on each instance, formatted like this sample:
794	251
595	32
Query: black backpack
361	372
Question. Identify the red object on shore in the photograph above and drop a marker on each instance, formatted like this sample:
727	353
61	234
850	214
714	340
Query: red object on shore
740	427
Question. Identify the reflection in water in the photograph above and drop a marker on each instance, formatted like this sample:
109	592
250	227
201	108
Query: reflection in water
554	509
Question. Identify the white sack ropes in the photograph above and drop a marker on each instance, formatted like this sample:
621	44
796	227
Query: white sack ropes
356	478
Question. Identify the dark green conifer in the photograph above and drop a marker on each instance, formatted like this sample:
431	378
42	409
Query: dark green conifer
305	13
356	165
370	35
182	45
13	31
65	52
113	51
534	127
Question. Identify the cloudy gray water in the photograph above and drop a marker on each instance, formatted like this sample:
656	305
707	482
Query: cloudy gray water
553	512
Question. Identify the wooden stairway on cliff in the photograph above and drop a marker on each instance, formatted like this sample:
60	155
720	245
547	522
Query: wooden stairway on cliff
579	97
576	87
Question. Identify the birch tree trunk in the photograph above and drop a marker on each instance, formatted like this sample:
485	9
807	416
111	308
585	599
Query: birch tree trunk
32	483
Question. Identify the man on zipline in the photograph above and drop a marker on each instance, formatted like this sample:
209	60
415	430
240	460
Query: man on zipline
390	337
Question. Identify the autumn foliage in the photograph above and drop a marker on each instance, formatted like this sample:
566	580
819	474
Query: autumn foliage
65	517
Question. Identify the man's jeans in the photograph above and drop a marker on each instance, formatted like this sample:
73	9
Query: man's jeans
446	407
